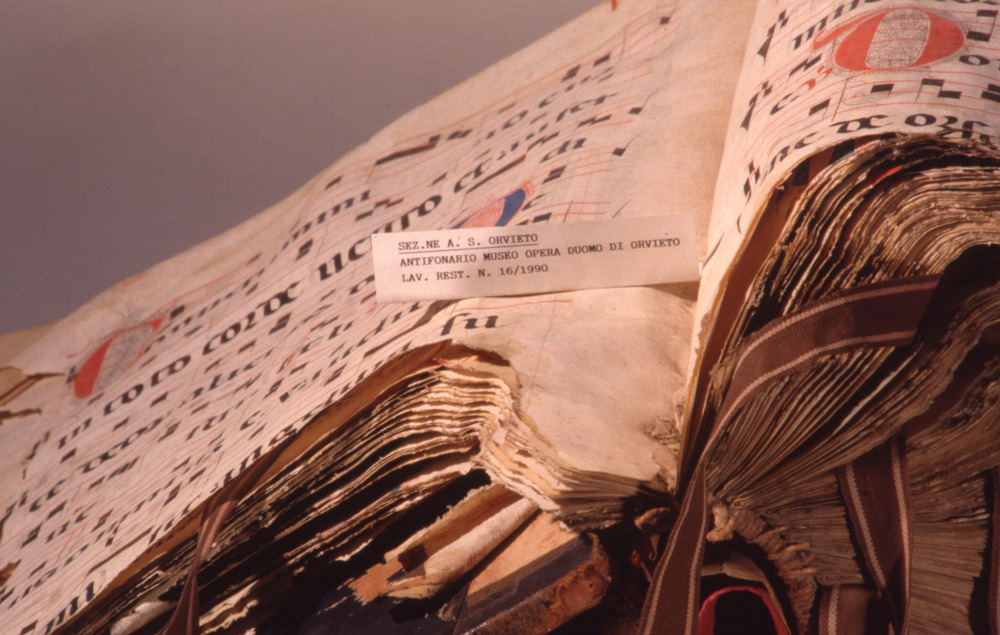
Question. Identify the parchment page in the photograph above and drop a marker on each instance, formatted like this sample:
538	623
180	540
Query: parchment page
819	74
144	402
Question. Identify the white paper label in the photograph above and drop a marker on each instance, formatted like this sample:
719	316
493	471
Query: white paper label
497	261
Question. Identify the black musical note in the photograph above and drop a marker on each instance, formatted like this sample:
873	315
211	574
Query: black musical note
941	93
821	106
430	145
981	36
992	92
882	89
497	173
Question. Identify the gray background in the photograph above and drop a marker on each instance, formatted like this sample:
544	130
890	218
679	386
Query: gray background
130	131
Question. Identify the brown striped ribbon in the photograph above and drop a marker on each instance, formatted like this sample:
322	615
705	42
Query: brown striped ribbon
993	608
882	314
672	600
876	491
184	620
851	609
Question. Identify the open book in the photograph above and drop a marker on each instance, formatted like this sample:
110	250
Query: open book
245	433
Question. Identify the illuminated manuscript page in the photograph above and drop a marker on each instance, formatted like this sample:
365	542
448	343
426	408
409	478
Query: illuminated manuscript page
127	415
816	74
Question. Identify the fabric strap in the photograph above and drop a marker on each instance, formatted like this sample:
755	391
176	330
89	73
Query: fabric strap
993	598
876	491
672	600
875	488
851	609
184	620
882	314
